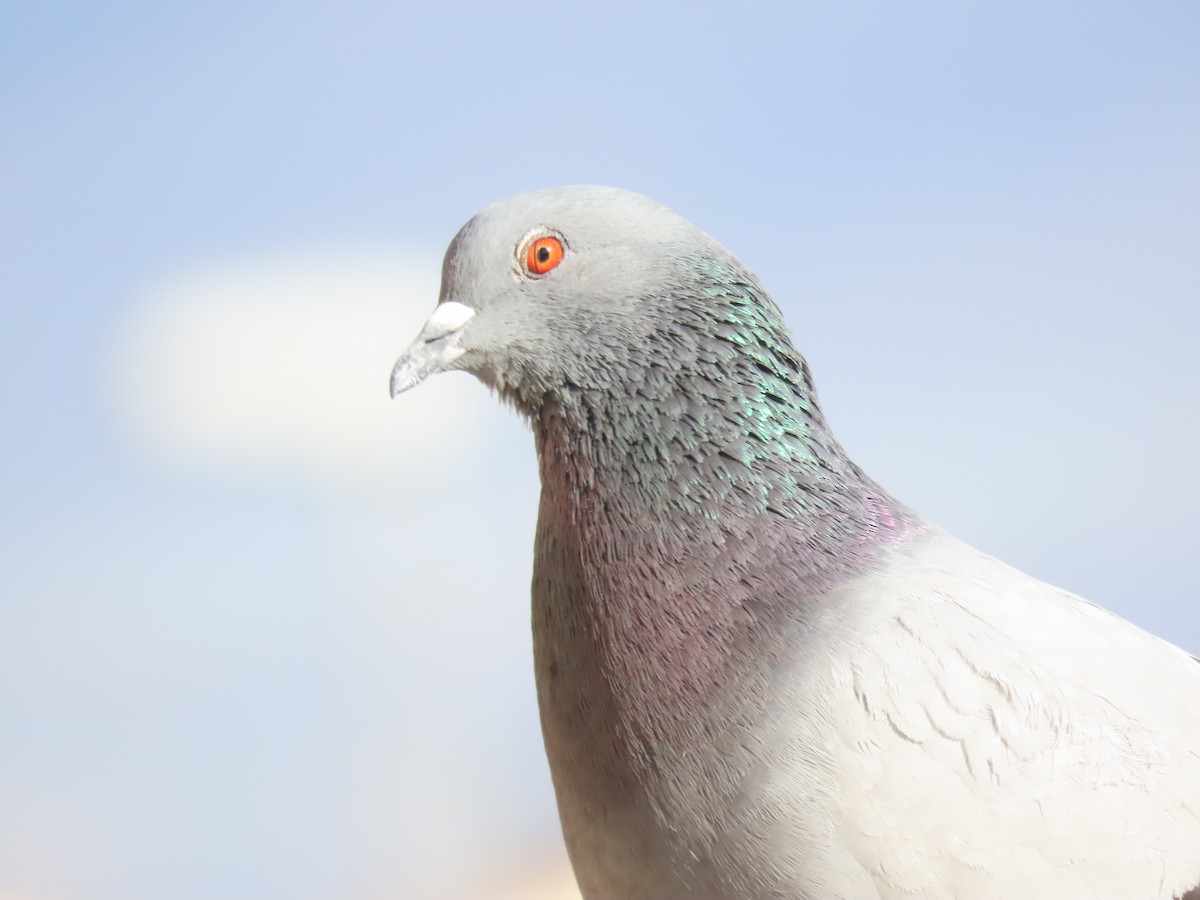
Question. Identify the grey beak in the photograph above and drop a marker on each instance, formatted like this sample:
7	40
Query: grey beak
435	348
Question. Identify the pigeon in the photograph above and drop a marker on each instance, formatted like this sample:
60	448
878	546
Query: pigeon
760	675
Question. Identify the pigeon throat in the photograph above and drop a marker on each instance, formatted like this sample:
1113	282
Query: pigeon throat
690	485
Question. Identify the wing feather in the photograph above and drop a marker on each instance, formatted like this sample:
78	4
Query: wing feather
996	737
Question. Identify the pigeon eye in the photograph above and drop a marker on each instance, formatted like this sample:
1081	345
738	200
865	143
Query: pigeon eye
543	255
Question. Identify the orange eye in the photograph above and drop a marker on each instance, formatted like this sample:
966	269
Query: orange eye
543	255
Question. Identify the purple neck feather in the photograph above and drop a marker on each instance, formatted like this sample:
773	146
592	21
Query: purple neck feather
667	555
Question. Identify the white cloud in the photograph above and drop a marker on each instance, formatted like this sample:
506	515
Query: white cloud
280	365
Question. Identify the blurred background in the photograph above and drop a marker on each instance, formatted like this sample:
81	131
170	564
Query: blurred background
264	632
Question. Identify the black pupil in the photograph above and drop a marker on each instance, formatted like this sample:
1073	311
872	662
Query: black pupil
543	254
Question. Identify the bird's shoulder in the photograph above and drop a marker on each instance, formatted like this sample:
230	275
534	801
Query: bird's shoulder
993	735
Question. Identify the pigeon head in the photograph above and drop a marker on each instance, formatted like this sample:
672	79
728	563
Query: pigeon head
588	289
650	363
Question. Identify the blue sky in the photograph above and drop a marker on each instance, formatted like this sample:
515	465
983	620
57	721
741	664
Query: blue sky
263	632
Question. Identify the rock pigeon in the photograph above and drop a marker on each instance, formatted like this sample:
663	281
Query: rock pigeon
759	674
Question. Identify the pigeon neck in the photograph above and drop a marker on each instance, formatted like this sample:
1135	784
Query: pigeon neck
633	473
668	556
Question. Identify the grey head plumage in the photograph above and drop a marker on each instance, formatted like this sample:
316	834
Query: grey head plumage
651	349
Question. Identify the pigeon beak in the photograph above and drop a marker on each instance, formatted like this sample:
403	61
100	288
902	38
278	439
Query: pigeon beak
435	348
